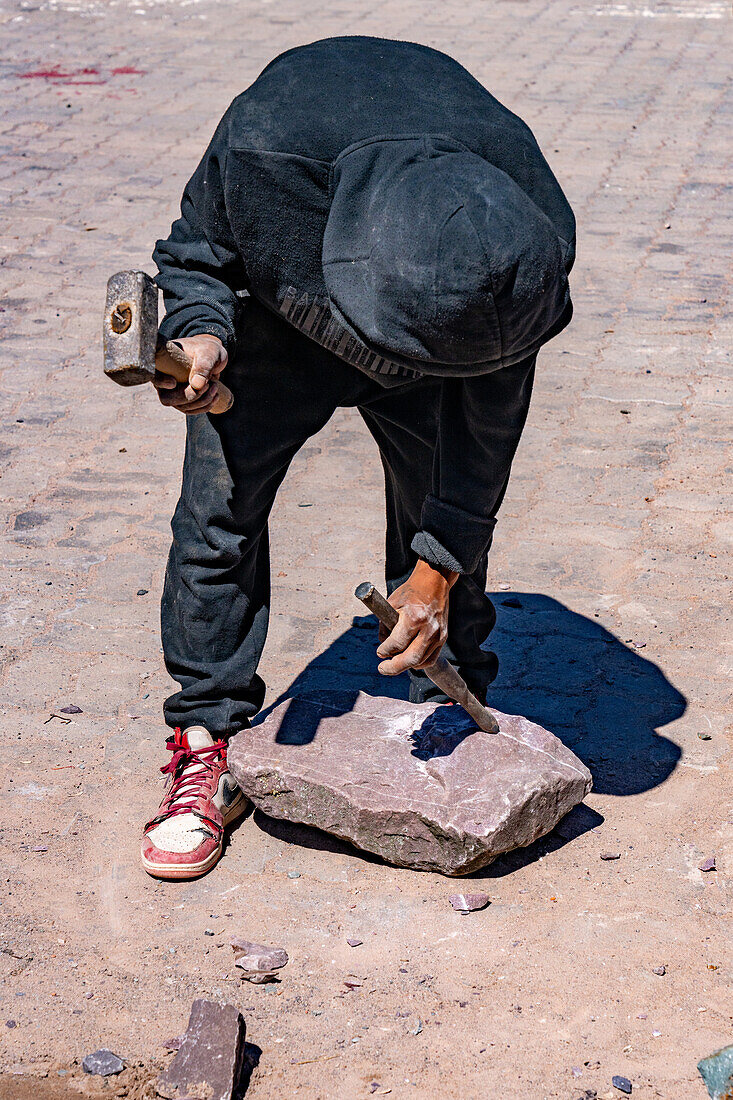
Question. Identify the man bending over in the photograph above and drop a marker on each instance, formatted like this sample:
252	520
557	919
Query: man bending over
368	228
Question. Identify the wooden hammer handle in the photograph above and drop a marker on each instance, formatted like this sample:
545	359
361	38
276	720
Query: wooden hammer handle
443	674
182	363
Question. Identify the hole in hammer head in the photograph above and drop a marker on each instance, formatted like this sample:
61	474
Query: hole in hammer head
121	317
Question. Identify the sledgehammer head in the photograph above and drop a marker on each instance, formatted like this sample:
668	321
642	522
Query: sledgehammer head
130	328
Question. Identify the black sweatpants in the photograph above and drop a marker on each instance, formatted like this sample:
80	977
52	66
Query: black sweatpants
216	596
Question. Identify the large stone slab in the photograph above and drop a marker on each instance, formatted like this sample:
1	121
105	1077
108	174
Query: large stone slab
416	784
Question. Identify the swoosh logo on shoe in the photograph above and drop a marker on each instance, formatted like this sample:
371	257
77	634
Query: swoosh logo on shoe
229	793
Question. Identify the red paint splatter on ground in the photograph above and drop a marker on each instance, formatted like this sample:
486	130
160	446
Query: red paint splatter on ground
45	74
76	76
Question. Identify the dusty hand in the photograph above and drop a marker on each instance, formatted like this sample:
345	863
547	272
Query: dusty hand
198	395
422	602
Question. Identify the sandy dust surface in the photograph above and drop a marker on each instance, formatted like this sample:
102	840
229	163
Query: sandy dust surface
614	539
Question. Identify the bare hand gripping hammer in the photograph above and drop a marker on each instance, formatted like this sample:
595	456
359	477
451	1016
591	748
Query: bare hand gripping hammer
441	672
131	336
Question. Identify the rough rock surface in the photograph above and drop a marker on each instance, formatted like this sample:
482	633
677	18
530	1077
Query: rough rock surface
469	903
209	1062
416	784
717	1073
257	962
103	1063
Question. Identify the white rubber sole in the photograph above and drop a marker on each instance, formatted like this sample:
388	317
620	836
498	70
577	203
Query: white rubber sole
177	871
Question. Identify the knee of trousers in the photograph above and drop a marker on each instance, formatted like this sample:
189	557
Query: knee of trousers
214	537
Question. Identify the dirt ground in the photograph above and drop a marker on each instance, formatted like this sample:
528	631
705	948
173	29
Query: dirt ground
615	537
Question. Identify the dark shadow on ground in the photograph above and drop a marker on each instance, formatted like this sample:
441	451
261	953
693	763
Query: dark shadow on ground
604	699
305	836
250	1060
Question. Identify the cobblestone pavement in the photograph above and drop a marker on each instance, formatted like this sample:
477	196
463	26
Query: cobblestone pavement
614	537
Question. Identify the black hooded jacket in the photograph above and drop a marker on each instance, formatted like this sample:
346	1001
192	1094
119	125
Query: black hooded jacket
378	198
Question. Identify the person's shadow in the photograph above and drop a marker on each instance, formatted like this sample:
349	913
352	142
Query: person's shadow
601	697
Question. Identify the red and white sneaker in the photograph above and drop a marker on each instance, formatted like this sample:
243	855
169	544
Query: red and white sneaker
185	838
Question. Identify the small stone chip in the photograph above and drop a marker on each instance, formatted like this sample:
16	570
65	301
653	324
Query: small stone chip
354	942
707	864
660	971
621	1083
103	1063
257	962
468	903
610	855
71	709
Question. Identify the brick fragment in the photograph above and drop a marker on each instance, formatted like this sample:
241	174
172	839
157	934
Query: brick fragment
210	1059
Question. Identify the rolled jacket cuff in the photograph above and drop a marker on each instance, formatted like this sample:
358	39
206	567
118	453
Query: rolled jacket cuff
452	538
177	327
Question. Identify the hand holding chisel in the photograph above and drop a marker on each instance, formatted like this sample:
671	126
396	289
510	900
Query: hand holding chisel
441	672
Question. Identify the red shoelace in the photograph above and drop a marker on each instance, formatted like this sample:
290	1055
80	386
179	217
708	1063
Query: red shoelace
185	790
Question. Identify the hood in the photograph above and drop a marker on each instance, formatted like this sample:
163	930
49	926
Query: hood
438	260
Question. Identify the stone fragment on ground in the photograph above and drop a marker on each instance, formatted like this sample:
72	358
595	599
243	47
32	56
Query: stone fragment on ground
468	903
416	784
257	962
210	1060
717	1072
102	1063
